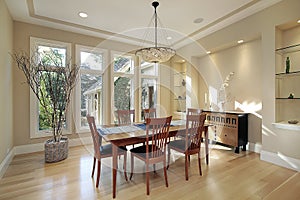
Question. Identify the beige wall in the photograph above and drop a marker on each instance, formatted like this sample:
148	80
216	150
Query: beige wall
6	98
22	34
262	85
262	24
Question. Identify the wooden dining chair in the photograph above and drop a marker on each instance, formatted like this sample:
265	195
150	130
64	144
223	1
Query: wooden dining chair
149	113
103	151
126	117
154	151
194	111
191	143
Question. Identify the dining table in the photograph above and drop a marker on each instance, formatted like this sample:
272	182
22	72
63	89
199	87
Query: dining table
124	135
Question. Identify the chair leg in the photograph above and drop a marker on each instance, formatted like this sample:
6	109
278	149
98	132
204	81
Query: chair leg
169	155
125	165
94	163
186	167
147	179
189	160
154	168
98	173
132	163
199	163
165	172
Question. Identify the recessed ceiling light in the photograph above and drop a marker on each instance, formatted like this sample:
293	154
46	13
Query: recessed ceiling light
182	60
198	20
298	21
208	52
83	14
240	41
169	38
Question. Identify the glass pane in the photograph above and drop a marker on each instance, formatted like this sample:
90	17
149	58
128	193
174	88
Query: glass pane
52	56
123	94
51	87
148	68
123	64
149	93
91	98
92	61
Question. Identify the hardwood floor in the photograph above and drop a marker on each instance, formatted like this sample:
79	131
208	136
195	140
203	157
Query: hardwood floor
228	176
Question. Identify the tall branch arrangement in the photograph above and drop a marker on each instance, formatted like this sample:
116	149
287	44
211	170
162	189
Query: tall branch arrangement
52	83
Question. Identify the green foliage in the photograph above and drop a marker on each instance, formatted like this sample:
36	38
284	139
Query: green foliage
122	93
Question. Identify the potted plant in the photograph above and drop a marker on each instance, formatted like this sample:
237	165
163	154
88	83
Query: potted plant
52	82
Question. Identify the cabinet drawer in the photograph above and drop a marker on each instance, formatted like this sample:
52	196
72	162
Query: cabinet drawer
229	137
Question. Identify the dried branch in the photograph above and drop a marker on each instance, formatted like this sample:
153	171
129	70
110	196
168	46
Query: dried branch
51	82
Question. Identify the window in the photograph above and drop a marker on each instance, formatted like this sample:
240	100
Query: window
89	91
149	83
123	82
39	125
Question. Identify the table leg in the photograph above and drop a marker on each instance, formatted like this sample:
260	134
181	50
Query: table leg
206	143
114	170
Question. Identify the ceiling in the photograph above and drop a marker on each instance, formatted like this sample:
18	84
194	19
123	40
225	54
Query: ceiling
128	21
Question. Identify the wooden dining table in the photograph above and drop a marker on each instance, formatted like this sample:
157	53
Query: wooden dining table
134	134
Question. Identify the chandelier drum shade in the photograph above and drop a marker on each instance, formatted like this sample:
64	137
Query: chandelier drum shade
156	54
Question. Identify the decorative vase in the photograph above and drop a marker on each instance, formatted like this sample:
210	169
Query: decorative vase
56	151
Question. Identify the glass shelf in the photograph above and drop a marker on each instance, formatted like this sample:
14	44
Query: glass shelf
285	98
288	49
283	74
179	73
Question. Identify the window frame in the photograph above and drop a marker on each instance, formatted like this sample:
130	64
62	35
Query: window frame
34	104
149	76
90	49
133	76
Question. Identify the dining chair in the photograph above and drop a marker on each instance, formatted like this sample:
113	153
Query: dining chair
103	151
126	117
149	113
194	111
191	143
154	151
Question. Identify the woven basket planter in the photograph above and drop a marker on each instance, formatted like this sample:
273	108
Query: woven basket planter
56	151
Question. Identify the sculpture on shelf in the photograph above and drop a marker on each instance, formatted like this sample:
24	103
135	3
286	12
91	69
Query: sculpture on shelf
224	96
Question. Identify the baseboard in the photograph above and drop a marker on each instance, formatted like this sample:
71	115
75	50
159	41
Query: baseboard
5	163
280	159
31	148
28	148
254	147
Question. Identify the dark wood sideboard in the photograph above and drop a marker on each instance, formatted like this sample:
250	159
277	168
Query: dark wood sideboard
229	128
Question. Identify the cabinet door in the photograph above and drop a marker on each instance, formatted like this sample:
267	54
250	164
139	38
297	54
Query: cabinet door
229	136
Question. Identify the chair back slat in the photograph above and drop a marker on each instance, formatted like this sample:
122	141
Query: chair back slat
194	130
157	132
126	117
149	113
97	139
194	111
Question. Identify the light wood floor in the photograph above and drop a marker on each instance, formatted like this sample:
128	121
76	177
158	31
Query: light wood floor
228	176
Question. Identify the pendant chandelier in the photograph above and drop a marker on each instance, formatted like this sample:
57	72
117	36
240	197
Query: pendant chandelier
155	54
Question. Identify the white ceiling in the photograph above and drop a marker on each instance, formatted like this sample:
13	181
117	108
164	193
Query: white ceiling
128	20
